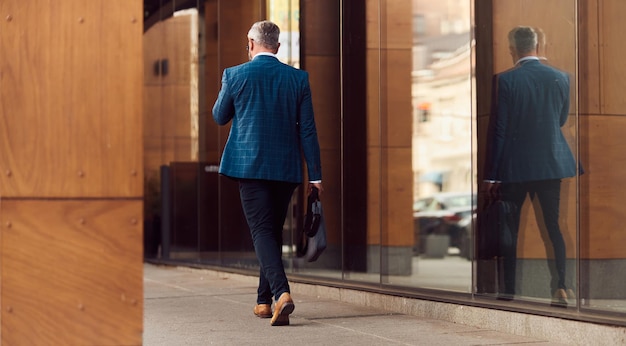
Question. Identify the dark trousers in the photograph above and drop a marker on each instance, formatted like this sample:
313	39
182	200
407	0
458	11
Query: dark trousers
265	205
548	192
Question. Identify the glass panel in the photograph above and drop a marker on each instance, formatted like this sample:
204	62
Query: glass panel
286	14
363	88
428	175
528	250
602	191
180	130
176	184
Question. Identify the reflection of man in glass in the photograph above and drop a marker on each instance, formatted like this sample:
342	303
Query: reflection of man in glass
529	154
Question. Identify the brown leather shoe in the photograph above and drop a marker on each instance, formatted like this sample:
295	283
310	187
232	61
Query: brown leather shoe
263	310
284	306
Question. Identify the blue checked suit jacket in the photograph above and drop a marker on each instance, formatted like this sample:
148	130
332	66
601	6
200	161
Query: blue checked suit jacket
527	144
271	110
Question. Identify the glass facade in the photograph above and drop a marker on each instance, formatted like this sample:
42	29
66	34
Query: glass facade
420	105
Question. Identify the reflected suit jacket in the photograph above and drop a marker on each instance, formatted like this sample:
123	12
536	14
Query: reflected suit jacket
525	137
271	110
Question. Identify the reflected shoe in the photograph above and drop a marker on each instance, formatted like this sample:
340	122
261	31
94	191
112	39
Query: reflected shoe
560	297
571	294
283	308
263	310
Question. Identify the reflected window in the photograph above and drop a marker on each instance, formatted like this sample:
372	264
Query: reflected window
286	14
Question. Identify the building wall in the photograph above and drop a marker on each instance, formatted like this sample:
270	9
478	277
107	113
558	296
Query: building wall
71	182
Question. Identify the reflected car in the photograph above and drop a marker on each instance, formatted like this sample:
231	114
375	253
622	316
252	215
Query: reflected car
445	213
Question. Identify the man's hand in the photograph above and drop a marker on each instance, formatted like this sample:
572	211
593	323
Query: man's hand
319	187
493	191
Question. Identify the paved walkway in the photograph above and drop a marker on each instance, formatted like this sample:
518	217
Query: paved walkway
185	306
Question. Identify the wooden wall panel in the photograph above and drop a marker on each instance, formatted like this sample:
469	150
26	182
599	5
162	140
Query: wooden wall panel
177	45
557	18
397	116
70	86
71	272
602	124
398	195
235	19
389	123
227	24
612	71
396	18
209	145
373	24
178	122
603	189
373	95
589	59
331	164
153	41
322	26
171	128
323	71
374	195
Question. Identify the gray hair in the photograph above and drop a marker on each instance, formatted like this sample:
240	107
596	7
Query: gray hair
265	33
523	39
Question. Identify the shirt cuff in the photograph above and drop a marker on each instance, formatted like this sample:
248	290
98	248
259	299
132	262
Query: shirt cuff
491	181
315	181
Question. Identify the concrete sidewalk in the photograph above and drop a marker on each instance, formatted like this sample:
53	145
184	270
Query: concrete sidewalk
186	306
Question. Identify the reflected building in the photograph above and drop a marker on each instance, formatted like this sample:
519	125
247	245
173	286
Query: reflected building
442	98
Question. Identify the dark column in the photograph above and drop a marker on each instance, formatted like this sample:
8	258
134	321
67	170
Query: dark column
486	266
344	171
354	139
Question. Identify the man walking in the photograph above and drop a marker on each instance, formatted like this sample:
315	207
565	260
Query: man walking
529	154
271	110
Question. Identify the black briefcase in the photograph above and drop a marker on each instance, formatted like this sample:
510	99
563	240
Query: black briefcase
312	240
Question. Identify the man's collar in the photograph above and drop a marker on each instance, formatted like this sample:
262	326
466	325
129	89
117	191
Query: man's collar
526	58
265	53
